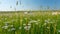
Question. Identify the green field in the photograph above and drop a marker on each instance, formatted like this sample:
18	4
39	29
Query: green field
30	22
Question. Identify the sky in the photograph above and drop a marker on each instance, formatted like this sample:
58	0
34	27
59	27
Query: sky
10	5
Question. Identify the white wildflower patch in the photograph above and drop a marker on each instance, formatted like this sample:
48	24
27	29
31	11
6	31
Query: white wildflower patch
12	29
46	21
58	30
25	12
5	27
33	21
27	24
54	13
27	27
59	13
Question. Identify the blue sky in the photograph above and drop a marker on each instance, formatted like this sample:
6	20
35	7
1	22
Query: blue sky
28	4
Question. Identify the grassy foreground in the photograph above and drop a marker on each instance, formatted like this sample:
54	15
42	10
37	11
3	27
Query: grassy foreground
47	22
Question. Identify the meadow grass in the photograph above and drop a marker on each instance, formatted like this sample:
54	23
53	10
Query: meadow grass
47	22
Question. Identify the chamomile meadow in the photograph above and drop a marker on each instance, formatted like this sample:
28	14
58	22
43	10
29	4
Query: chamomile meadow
27	23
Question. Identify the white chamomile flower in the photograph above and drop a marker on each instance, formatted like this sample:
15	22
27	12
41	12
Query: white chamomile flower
58	30
54	13
25	12
12	29
32	21
27	27
5	27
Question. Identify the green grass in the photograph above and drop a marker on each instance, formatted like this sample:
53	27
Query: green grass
29	23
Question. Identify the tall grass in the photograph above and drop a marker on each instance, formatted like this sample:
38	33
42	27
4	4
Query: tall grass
30	23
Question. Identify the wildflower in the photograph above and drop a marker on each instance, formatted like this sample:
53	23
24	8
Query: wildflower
46	21
25	12
58	30
27	27
12	29
5	27
54	13
33	21
59	13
